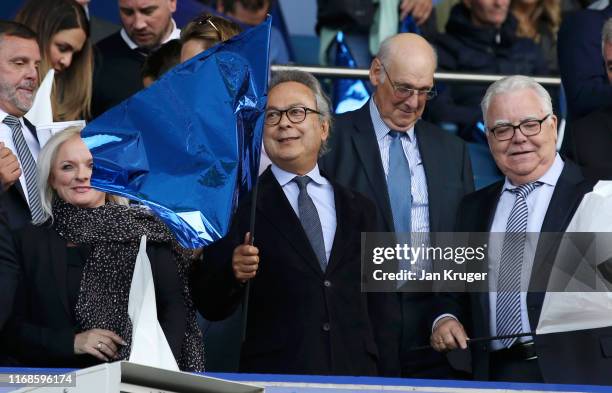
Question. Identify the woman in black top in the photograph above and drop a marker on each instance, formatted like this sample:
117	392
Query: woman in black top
76	271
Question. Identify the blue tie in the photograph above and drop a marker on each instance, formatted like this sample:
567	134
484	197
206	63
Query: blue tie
309	217
399	184
508	307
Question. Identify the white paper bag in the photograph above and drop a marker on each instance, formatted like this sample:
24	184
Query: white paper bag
41	111
569	311
149	344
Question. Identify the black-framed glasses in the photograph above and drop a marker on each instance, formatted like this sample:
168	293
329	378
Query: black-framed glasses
529	127
295	114
402	92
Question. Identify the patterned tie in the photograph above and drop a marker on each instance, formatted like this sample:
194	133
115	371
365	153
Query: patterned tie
309	217
398	184
28	166
508	308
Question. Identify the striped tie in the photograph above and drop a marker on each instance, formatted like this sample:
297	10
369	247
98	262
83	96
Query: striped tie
508	309
28	166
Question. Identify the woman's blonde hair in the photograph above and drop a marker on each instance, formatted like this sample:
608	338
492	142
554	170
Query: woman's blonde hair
46	158
210	29
72	88
548	11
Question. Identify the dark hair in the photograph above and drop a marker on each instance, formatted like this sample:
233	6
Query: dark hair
210	29
73	87
157	63
16	29
249	5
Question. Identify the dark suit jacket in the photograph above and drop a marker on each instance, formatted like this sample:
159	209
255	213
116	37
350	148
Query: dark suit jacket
13	200
581	63
557	365
592	142
42	330
301	320
354	161
116	73
9	271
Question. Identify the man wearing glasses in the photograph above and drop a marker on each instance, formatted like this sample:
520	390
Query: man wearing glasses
414	172
540	193
306	314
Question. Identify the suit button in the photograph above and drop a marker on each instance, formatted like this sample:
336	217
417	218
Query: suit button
327	283
326	327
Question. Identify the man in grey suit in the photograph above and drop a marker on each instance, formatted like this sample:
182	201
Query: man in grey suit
415	172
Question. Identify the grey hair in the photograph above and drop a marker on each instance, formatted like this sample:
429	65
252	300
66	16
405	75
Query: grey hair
606	34
514	83
386	53
46	158
321	100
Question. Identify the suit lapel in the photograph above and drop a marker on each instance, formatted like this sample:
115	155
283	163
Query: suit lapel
430	156
345	217
483	219
366	145
19	190
273	204
57	249
566	197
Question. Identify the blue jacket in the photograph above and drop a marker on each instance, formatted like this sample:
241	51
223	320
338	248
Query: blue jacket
483	50
581	62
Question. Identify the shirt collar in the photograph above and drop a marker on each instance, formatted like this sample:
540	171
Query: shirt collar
549	178
283	177
381	129
174	35
3	114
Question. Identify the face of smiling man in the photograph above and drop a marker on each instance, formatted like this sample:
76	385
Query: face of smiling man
19	60
294	147
522	159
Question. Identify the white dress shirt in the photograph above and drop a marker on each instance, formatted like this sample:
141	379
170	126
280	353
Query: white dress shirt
420	200
322	193
537	205
6	136
174	35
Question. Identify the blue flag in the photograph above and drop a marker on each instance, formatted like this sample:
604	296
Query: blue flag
349	94
409	25
188	147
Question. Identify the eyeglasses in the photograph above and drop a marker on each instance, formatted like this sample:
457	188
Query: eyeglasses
296	114
528	127
402	92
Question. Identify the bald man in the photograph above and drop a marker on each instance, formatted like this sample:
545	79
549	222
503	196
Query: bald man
420	190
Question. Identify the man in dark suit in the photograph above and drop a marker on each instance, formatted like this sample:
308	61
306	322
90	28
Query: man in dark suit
306	312
591	136
439	172
19	59
539	194
147	24
582	71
